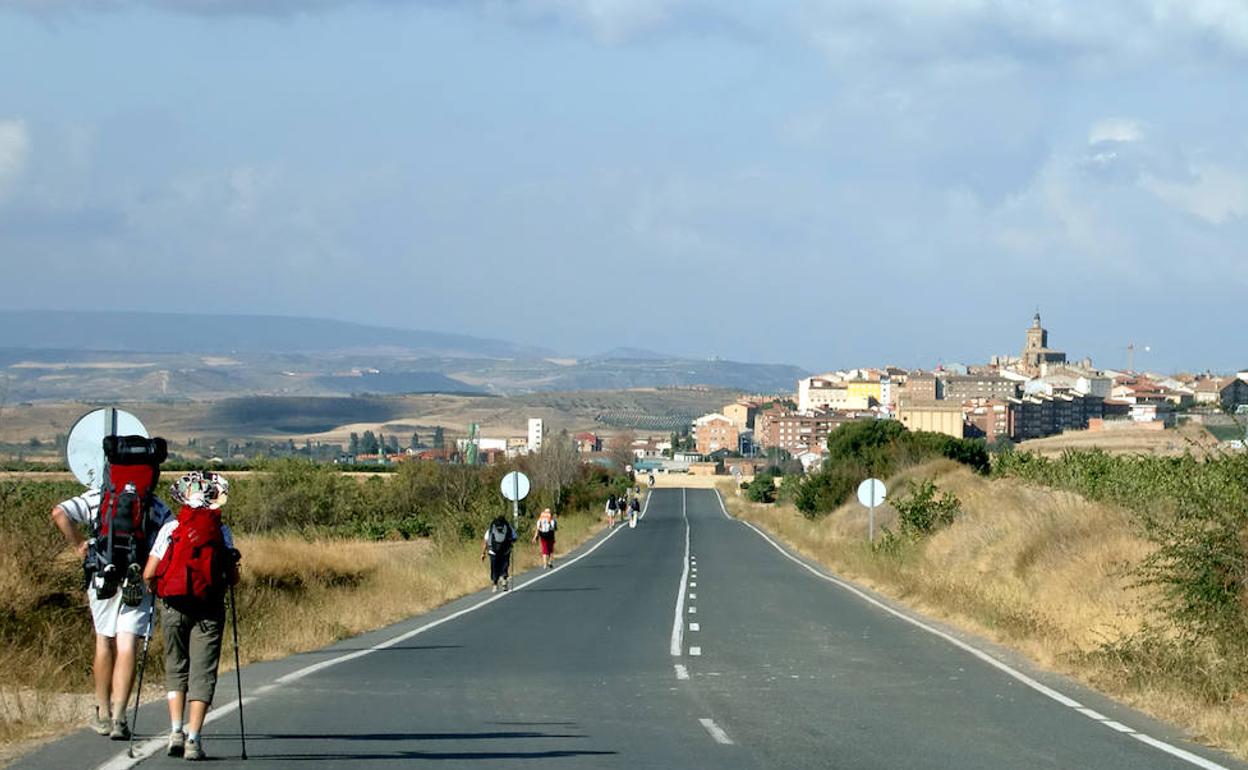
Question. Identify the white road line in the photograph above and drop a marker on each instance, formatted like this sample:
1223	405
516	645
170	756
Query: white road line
693	610
1043	689
716	732
142	751
693	596
695	651
681	672
695	627
678	625
693	585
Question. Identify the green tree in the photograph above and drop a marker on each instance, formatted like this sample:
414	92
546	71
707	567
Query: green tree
369	444
415	441
353	445
762	489
439	438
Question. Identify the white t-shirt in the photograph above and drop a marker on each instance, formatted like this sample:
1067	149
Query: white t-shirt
162	538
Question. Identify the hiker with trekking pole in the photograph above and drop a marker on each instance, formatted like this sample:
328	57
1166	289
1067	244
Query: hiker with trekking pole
192	567
122	517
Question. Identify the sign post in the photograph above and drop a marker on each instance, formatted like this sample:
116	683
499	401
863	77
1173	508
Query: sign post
871	493
515	487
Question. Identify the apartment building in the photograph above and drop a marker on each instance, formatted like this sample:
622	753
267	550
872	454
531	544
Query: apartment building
713	432
977	387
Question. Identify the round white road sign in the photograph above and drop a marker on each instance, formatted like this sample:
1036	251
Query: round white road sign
871	492
84	449
515	486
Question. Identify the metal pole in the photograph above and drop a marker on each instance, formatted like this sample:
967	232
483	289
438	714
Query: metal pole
515	499
871	518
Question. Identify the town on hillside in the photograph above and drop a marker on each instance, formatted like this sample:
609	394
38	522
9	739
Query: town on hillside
1012	398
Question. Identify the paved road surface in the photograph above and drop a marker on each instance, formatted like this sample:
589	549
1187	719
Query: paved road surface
766	665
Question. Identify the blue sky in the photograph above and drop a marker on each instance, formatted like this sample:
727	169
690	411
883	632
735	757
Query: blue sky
826	183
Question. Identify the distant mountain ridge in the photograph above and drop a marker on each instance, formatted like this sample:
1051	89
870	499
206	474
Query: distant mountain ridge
93	355
126	331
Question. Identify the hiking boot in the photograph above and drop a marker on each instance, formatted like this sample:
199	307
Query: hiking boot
132	586
194	749
101	725
494	588
177	743
120	731
506	584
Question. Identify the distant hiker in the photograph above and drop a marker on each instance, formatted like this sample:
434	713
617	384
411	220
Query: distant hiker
544	535
613	507
113	555
498	539
634	508
192	566
652	479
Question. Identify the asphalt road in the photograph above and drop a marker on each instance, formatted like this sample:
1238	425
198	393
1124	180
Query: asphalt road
631	655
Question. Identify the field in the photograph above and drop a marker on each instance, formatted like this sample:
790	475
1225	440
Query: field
1172	442
331	420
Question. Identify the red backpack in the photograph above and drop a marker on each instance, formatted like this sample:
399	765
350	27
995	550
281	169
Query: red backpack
195	564
126	499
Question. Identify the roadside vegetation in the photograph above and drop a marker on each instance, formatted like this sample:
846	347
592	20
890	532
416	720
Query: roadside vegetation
1127	572
326	556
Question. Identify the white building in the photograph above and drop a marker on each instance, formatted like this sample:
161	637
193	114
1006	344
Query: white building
535	434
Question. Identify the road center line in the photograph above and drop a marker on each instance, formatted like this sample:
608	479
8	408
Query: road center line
1043	689
716	731
678	624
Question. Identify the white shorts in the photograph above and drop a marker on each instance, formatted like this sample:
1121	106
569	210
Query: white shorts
111	617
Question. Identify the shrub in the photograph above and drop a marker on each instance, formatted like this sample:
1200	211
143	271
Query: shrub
921	512
762	489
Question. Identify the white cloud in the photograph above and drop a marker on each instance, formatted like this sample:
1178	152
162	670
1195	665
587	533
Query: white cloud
14	149
1115	130
1215	194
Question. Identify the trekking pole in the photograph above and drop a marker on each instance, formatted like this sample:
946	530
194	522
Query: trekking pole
138	693
238	674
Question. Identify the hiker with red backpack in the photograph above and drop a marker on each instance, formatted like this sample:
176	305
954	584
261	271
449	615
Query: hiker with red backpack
544	535
192	566
122	518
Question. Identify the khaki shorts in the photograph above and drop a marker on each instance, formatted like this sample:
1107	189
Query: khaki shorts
192	649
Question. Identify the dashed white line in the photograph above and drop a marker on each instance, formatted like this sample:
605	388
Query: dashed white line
693	596
681	672
678	624
716	731
693	610
695	651
1043	689
695	627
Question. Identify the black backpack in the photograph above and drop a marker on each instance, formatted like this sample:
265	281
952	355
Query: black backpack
500	539
127	497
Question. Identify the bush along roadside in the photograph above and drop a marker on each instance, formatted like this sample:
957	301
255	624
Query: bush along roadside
1195	514
877	448
919	513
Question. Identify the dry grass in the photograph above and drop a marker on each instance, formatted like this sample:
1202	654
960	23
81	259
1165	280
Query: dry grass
1042	571
295	596
1172	442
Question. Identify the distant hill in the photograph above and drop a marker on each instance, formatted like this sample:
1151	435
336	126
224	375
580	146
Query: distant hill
231	334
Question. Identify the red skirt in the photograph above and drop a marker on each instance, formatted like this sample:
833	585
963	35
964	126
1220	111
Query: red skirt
547	544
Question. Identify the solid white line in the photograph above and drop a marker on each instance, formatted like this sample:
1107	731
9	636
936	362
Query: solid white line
1087	712
142	751
1175	751
695	651
678	625
1043	689
681	672
716	732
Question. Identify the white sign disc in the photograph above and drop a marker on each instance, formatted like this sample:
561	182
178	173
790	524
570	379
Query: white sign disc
515	486
84	449
871	493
